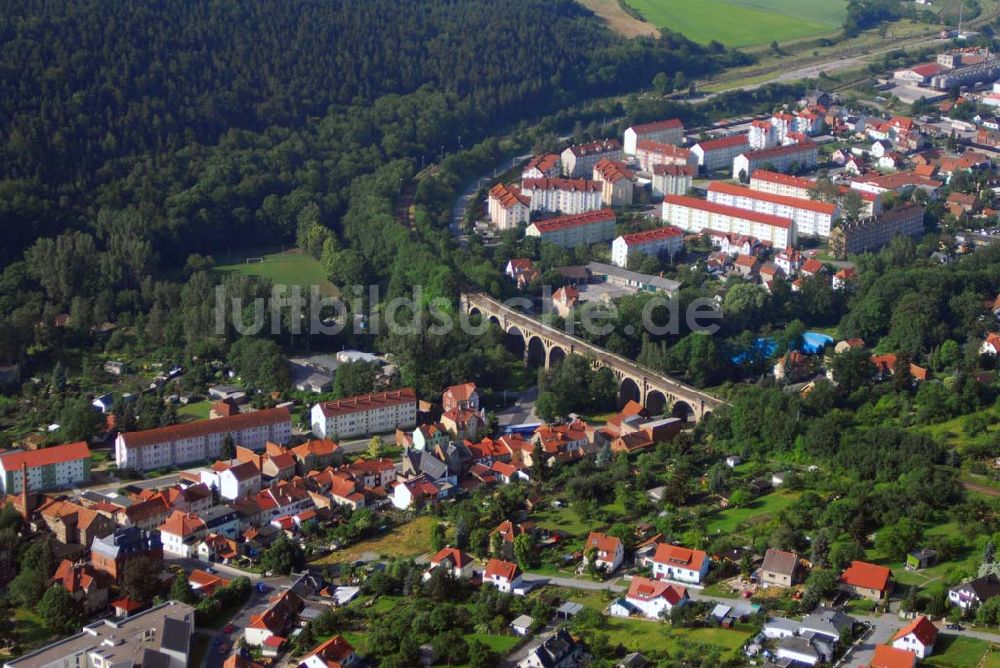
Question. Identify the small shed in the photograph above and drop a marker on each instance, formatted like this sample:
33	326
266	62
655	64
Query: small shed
521	626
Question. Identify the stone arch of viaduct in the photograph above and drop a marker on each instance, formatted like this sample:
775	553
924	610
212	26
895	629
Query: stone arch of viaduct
544	346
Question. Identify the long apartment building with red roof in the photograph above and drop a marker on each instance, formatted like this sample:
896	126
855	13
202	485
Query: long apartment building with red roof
201	440
777	183
651	153
694	215
48	468
812	217
719	153
569	231
778	158
365	414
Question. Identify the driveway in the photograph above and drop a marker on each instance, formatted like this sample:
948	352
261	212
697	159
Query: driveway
522	411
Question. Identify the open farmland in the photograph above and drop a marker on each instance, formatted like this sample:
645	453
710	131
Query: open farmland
745	22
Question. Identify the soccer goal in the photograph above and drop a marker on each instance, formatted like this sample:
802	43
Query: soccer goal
255	260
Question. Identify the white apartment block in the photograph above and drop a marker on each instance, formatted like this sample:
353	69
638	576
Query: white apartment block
672	180
542	166
365	414
201	440
569	231
508	208
579	160
812	217
779	158
650	153
762	135
694	215
670	131
617	182
777	183
48	468
663	241
719	153
568	196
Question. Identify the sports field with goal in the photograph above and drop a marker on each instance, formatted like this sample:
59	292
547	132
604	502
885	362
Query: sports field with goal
289	267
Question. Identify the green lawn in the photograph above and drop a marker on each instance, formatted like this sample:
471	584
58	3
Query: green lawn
30	630
407	540
960	652
195	411
499	644
758	511
564	519
745	22
291	267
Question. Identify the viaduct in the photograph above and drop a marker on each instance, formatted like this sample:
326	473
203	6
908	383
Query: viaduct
545	345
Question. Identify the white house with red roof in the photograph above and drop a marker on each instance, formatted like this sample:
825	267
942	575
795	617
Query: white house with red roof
650	598
548	165
453	560
918	637
463	396
48	468
673	562
181	532
565	299
990	345
508	207
504	575
606	551
233	482
334	653
887	656
670	131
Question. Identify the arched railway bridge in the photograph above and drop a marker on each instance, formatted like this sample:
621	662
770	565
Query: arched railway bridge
545	345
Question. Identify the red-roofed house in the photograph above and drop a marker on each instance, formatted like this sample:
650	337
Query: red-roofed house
565	299
334	653
508	208
991	344
452	559
918	637
274	620
887	656
205	582
651	598
672	562
504	575
606	551
464	396
867	580
181	532
85	584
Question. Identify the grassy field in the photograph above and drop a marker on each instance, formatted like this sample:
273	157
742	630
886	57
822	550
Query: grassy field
959	652
618	19
196	411
291	267
30	631
564	519
499	644
759	510
408	540
745	22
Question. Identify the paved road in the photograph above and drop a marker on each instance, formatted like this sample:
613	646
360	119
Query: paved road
522	411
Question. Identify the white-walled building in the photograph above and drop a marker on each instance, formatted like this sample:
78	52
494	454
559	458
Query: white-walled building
580	159
918	637
781	184
652	598
542	166
365	414
672	562
672	180
670	131
778	158
616	181
812	217
694	215
663	241
569	231
48	468
504	575
651	153
569	196
181	532
762	135
196	441
719	153
233	482
507	207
